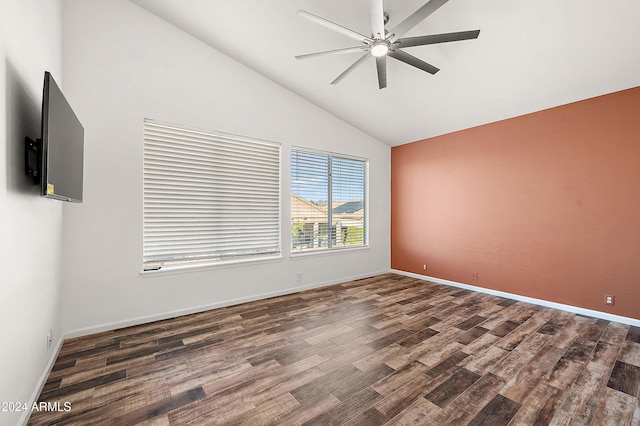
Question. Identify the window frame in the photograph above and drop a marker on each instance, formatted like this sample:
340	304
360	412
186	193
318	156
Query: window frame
365	202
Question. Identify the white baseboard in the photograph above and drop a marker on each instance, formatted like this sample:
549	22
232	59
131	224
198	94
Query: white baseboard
42	380
541	302
206	307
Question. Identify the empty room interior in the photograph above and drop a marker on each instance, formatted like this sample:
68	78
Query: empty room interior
320	212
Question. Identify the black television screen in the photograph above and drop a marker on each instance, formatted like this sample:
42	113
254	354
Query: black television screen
62	146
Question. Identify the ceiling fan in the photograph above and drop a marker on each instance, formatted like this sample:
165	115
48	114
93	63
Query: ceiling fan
383	43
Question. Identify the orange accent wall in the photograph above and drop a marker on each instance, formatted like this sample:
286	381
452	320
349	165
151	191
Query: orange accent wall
545	205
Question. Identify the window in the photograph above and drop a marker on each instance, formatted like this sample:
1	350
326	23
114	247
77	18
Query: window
328	201
208	197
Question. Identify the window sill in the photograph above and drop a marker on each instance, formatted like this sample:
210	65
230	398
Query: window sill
210	266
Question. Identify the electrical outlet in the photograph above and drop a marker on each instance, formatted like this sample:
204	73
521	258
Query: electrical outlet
474	275
49	338
609	299
299	277
424	267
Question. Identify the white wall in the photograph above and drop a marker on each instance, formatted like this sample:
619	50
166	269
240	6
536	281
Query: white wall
123	64
30	226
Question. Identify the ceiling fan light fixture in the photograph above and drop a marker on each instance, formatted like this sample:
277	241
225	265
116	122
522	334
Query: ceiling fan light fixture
379	49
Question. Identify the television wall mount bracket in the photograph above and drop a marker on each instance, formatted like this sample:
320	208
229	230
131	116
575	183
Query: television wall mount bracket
33	159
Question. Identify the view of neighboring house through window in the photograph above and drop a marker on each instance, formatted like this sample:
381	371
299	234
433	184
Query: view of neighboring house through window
328	201
208	197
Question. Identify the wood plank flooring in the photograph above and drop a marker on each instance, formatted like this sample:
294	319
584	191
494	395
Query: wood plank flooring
382	350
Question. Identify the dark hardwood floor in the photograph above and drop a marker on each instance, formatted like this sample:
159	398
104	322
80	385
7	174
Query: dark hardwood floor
383	350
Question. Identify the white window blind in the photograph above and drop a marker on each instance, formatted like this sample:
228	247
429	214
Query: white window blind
208	197
328	201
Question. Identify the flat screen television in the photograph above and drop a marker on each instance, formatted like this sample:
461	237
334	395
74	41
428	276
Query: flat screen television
60	152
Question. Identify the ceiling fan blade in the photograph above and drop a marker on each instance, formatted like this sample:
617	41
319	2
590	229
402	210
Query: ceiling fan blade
350	69
413	61
335	27
381	65
333	52
376	9
415	18
437	38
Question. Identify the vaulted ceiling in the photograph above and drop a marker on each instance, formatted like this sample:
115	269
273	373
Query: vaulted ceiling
530	55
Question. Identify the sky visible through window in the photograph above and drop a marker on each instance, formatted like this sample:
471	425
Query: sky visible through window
309	177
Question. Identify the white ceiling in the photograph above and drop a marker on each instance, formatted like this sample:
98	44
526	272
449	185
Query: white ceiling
530	55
